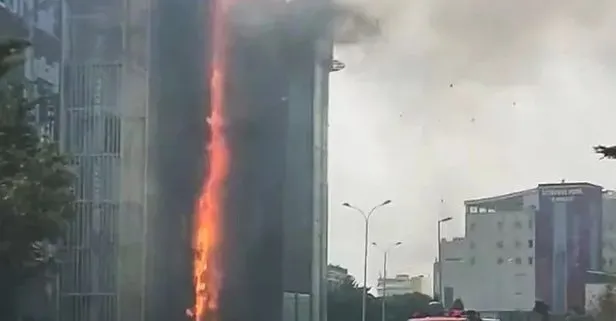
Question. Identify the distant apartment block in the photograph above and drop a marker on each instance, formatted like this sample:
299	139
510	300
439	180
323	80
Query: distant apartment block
400	284
336	275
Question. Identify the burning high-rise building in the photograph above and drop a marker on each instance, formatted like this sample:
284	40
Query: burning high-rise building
200	139
244	163
273	207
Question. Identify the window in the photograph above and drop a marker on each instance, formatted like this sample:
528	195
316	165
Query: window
530	260
518	260
500	244
530	224
500	225
611	262
518	224
500	260
530	244
471	227
454	259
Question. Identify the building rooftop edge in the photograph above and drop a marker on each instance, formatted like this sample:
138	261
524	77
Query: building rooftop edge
570	183
525	192
501	197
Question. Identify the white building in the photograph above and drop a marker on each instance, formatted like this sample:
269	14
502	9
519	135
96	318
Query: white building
492	269
455	257
401	284
497	266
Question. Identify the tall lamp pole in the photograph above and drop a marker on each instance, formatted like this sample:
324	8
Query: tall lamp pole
440	258
384	280
366	217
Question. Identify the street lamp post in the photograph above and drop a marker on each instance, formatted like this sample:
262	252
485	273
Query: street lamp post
367	221
440	258
384	279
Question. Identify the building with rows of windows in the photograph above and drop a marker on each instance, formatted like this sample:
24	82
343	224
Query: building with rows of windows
537	244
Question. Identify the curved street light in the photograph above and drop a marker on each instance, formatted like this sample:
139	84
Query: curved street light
384	286
366	217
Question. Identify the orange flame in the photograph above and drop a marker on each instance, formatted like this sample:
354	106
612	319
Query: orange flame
209	209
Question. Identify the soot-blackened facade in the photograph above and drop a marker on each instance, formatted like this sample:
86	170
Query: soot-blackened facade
177	136
275	219
274	224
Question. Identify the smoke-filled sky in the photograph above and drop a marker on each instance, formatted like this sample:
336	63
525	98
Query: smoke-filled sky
533	91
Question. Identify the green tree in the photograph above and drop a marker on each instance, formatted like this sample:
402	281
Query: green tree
344	304
36	195
403	307
344	301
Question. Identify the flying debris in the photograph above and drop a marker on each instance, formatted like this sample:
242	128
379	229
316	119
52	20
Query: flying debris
450	85
337	65
608	152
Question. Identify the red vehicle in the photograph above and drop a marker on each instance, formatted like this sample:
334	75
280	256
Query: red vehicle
443	318
437	313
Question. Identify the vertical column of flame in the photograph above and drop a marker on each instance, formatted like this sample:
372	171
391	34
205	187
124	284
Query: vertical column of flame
209	209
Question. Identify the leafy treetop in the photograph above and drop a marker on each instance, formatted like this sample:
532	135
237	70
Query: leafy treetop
36	194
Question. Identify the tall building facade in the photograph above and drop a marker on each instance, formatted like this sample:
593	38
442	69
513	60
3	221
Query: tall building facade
131	78
91	132
310	47
536	244
278	184
104	128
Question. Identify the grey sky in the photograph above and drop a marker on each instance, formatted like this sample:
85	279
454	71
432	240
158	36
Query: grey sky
533	90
